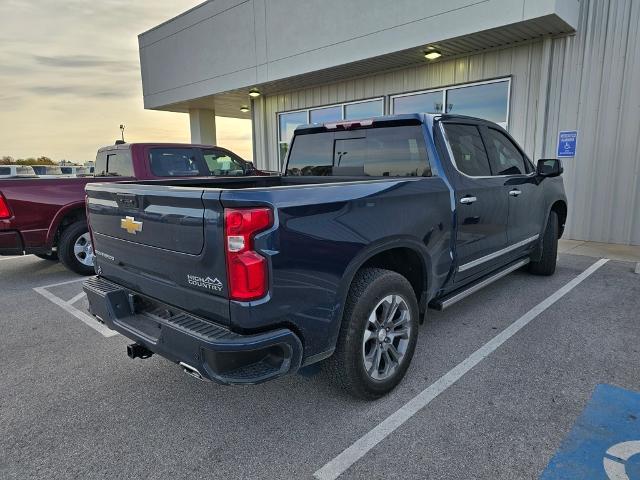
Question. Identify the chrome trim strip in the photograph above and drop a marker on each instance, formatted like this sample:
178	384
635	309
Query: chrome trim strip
493	255
456	298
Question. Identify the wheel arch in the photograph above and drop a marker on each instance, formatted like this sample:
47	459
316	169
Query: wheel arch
399	255
66	216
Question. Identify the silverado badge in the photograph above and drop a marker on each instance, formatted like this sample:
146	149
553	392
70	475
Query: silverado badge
130	225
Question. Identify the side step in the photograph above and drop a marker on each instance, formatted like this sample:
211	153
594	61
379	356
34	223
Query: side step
457	295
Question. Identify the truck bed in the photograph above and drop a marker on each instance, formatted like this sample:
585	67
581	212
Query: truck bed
236	183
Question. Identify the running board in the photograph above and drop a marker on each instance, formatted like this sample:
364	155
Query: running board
457	295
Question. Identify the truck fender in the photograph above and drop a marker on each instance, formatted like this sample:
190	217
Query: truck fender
57	220
369	252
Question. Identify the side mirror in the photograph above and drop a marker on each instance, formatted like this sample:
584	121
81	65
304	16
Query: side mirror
549	167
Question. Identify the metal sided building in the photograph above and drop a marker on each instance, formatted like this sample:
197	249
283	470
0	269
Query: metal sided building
563	76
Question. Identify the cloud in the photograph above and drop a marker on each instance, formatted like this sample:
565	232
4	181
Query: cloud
83	61
98	91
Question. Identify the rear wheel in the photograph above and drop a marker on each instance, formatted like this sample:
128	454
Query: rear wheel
377	336
547	263
75	249
52	256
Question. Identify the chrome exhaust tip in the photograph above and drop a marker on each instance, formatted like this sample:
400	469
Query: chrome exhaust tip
191	371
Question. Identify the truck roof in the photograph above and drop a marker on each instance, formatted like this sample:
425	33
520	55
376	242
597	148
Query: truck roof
127	146
386	120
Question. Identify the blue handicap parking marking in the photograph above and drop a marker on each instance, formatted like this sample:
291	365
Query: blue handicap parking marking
567	143
604	442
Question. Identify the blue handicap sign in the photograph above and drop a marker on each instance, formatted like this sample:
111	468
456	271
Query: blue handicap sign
604	442
567	143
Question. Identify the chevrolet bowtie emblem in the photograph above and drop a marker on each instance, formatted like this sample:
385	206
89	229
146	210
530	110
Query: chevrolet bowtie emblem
130	225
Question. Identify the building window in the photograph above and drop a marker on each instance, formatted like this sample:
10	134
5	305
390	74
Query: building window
326	114
368	109
428	102
288	121
488	100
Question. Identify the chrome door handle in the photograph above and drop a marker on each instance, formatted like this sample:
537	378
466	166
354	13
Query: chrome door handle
515	192
468	200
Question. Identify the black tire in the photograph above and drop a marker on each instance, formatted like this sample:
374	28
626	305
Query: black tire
346	367
547	263
68	239
53	256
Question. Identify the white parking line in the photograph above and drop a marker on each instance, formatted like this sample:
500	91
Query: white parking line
69	308
76	298
67	282
359	449
15	257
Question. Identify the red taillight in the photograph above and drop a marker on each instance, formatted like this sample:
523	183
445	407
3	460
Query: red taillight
4	208
247	270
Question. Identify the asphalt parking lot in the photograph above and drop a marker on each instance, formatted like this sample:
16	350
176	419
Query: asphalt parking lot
73	405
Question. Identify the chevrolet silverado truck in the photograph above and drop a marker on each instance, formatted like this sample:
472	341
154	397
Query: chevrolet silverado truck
338	259
46	216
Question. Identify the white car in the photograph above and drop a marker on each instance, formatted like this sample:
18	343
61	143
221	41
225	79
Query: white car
49	171
16	171
76	171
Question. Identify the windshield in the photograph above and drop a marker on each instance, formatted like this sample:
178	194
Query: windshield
25	171
47	170
221	163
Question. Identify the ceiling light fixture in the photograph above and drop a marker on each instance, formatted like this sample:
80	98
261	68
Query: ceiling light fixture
244	109
432	54
254	93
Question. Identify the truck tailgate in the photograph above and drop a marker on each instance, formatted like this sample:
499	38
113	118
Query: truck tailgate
163	242
169	219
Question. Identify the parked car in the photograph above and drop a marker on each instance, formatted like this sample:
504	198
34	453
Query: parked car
16	171
76	171
244	280
49	171
46	217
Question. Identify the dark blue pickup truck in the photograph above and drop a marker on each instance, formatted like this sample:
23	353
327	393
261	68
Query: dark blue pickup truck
241	280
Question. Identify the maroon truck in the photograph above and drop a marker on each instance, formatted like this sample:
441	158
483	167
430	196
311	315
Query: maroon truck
46	217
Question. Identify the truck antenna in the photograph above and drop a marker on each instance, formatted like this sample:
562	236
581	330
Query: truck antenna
122	132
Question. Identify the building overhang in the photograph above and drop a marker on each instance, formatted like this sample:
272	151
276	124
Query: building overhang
210	56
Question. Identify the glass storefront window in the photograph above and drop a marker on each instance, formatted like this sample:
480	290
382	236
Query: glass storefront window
326	114
429	102
289	122
368	109
489	101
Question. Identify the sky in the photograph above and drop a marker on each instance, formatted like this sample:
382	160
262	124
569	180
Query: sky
70	75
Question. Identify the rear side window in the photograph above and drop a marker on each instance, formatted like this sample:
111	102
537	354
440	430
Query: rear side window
173	162
468	150
114	163
5	170
376	152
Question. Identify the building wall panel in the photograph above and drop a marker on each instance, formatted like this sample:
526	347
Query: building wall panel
595	89
588	82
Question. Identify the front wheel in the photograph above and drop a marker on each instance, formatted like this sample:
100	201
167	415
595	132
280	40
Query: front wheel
547	263
377	336
75	249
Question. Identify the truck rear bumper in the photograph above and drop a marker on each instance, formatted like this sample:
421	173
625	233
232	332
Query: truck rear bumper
10	243
215	352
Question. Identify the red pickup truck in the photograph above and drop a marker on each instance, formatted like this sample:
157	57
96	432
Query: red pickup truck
46	217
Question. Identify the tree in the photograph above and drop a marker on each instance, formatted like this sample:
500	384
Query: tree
6	160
